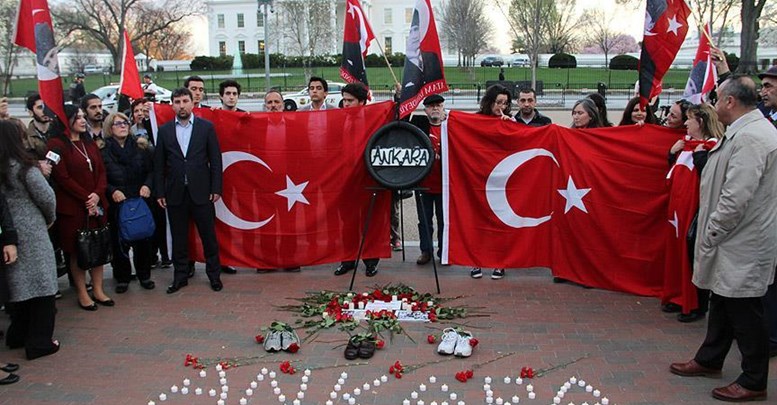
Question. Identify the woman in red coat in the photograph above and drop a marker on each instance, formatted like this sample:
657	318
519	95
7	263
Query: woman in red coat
80	185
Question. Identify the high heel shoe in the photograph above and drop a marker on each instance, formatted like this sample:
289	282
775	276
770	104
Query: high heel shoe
92	307
107	303
10	379
33	354
10	367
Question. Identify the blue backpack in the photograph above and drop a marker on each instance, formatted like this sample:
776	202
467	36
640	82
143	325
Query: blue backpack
135	220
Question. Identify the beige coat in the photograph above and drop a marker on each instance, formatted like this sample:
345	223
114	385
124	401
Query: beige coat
736	248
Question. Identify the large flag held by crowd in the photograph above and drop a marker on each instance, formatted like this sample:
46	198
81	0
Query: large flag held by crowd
357	37
703	75
589	204
35	32
423	74
666	25
295	186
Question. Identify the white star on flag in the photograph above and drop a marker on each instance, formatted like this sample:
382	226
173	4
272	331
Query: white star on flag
574	196
673	25
293	193
676	224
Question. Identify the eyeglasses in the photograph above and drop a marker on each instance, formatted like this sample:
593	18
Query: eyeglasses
121	123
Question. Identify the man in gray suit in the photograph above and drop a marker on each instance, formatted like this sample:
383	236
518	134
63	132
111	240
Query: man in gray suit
736	250
188	180
318	89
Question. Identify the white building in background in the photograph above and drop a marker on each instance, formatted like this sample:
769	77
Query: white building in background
72	61
238	25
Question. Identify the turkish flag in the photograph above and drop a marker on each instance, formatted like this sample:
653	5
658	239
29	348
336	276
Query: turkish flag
35	32
296	189
666	25
589	204
357	36
423	74
683	184
130	77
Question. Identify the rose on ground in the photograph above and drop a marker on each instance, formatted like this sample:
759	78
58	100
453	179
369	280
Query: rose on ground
431	339
259	339
293	348
473	342
379	344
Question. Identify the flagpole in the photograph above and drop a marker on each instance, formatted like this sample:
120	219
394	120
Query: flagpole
387	61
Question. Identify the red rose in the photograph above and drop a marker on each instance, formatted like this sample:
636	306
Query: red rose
259	339
391	370
431	339
432	317
473	342
379	344
398	374
461	376
470	373
293	348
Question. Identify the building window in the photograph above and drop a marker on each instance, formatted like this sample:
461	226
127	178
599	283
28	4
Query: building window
259	19
388	17
387	45
222	48
408	15
241	47
260	45
220	19
241	21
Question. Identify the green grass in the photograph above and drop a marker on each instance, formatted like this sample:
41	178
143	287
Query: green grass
380	78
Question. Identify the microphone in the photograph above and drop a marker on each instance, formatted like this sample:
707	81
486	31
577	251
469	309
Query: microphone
53	158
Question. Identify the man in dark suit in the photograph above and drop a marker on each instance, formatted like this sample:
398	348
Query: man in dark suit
188	180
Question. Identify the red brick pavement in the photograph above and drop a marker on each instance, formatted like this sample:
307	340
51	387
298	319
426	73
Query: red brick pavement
131	353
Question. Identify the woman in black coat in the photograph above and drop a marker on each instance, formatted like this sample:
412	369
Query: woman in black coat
129	170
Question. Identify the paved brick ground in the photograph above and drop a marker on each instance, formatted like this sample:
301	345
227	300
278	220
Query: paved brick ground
131	353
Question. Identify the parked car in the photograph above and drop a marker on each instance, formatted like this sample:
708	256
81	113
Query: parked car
519	61
293	101
108	96
492	61
93	69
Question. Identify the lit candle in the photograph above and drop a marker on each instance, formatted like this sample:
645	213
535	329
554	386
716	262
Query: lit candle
151	403
532	395
273	383
444	388
361	304
304	378
296	402
174	389
212	392
243	401
366	387
329	402
303	387
223	395
414	395
461	403
218	367
249	392
346	396
394	298
561	394
516	399
300	395
307	372
432	380
224	388
376	382
500	401
597	393
276	391
573	380
581	383
589	388
351	401
333	395
254	384
343	375
519	381
264	371
222	374
530	388
220	402
203	373
605	401
422	387
406	402
567	385
260	377
337	387
489	400
420	402
489	394
357	392
383	378
556	400
223	381
486	387
163	397
507	380
184	390
341	381
281	398
198	391
272	374
186	382
453	396
487	380
350	305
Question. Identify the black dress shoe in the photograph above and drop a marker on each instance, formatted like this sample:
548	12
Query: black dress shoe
10	367
190	274
12	378
173	288
372	271
670	308
121	288
147	284
342	269
216	285
107	303
692	316
228	269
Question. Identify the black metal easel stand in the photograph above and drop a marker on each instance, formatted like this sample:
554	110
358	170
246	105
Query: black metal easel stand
364	232
420	201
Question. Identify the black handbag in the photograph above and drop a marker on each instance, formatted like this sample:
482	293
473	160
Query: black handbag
94	246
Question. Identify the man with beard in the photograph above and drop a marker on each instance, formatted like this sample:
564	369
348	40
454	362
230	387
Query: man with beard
77	90
528	114
93	108
196	85
188	181
318	89
429	201
39	129
273	101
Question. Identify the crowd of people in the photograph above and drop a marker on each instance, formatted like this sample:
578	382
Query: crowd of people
99	162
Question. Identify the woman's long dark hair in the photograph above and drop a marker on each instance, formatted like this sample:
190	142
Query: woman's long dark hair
489	99
11	148
601	105
650	118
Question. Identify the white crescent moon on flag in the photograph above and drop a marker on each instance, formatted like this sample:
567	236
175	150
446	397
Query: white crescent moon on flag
222	212
496	185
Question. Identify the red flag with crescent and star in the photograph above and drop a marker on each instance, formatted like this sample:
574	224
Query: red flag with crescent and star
35	32
296	189
589	204
666	25
356	40
130	77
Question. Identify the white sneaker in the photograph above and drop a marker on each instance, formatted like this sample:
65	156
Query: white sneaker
272	342
463	348
288	338
448	341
